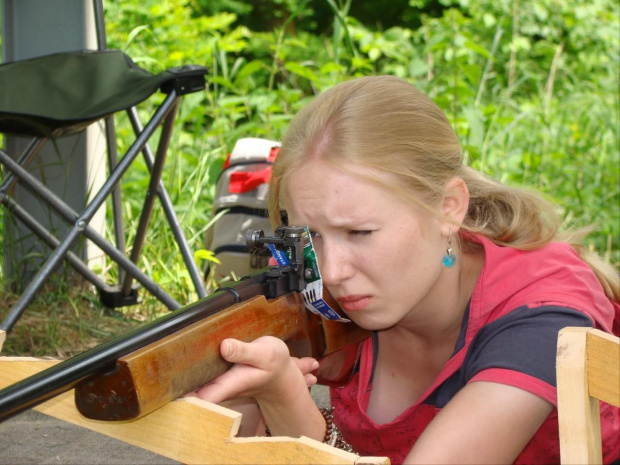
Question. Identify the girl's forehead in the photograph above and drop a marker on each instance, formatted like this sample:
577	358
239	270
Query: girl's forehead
322	172
321	190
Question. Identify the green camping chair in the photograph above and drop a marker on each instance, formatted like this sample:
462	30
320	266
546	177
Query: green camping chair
61	94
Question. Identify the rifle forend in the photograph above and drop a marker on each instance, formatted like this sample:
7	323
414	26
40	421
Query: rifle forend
134	374
172	366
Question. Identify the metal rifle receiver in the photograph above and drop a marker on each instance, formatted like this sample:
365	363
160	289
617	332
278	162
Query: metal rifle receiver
287	246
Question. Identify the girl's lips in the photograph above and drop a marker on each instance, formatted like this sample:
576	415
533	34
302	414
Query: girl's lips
353	303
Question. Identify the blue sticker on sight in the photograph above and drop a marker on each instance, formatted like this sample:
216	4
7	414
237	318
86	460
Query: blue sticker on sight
279	255
313	292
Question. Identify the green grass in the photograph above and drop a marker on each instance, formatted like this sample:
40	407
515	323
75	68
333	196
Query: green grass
64	319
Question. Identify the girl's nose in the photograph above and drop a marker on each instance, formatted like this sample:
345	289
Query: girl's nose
334	264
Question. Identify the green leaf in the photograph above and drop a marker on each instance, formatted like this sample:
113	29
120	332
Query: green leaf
474	47
361	63
248	69
475	120
331	67
472	72
205	255
302	71
134	33
222	81
374	53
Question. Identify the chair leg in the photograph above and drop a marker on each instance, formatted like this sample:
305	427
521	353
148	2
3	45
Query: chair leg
80	222
31	223
80	227
37	281
117	212
155	177
52	241
171	216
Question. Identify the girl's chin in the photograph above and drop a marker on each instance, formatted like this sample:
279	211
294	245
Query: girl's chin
368	322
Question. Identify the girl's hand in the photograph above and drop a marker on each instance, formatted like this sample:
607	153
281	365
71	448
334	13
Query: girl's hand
263	369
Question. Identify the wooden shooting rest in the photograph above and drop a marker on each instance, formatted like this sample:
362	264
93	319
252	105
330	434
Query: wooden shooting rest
588	370
188	430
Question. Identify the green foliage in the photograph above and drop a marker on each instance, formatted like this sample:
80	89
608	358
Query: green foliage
530	86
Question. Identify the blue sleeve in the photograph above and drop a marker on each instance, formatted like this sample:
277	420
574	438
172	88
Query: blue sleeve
524	340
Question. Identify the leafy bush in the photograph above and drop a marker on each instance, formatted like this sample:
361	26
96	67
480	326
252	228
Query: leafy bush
530	88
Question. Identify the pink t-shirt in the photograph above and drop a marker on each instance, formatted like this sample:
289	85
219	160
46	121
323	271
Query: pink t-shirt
509	336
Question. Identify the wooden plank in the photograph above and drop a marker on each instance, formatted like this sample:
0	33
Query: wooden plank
188	430
603	366
578	413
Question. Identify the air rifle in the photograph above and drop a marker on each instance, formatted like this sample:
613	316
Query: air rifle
136	373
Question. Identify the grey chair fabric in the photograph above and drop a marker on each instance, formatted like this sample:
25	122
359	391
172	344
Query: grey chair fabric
62	93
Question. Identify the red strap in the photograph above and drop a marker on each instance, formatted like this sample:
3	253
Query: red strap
227	161
242	181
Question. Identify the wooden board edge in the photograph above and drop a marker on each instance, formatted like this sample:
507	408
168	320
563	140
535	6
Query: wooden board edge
190	430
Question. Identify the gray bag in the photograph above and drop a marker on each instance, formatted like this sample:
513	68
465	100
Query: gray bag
241	200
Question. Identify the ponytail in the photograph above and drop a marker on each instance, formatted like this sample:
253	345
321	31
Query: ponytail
518	218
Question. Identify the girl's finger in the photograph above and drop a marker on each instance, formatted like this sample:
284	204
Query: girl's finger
219	390
310	380
261	353
306	365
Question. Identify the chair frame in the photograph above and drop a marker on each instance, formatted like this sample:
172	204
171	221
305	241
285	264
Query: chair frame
588	371
187	79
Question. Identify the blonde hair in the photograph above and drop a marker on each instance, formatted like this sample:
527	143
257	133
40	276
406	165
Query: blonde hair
386	124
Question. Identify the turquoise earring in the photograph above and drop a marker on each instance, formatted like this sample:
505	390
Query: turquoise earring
449	259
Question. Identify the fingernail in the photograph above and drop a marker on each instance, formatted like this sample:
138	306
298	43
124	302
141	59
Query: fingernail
227	349
314	365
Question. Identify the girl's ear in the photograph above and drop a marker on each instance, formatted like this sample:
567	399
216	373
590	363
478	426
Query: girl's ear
454	205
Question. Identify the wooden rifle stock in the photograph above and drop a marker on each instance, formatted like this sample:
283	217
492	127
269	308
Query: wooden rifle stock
135	374
170	367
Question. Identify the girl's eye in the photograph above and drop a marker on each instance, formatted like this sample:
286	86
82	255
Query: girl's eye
355	232
314	234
